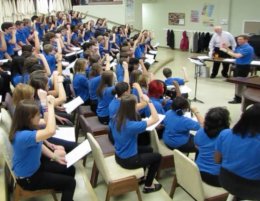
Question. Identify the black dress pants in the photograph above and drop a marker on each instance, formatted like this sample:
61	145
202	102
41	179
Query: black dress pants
145	159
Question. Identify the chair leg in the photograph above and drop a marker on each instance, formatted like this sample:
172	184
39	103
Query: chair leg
77	128
108	193
174	186
54	196
139	194
94	175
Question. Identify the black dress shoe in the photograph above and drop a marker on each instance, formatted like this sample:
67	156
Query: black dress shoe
234	101
156	187
225	75
212	76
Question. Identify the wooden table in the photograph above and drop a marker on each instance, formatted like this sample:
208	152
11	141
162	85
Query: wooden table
251	94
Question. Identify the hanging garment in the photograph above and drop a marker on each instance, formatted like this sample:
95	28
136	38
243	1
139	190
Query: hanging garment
207	40
172	40
184	45
195	42
168	37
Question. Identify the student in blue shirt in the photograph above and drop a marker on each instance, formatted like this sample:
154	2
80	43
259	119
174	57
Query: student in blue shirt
177	129
80	81
20	36
93	83
167	72
125	128
216	120
105	96
237	150
28	147
50	58
10	37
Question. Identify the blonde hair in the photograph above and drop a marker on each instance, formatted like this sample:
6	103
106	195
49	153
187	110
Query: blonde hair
80	65
21	92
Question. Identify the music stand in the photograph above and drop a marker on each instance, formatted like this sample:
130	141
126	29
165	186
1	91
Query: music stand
198	64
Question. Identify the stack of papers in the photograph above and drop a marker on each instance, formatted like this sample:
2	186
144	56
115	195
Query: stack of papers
229	60
78	153
152	127
72	105
203	57
153	52
183	88
65	133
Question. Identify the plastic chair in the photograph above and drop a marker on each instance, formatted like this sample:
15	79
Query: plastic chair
189	179
18	192
118	179
161	148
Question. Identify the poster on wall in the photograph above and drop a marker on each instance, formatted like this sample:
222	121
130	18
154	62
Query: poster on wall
194	17
207	15
176	19
130	11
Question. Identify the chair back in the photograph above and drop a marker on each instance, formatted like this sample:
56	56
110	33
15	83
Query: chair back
99	158
155	141
188	175
6	120
7	150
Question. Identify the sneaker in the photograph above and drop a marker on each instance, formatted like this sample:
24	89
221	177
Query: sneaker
156	187
234	101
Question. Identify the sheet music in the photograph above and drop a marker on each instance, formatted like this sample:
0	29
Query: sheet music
183	88
149	56
72	105
77	153
203	57
153	52
71	65
257	63
65	133
152	127
229	60
3	60
196	62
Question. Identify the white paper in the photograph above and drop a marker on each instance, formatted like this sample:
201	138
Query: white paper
19	52
77	153
149	56
66	72
183	88
70	54
71	65
3	60
152	127
65	133
256	63
229	60
203	57
65	63
150	61
75	48
72	105
196	62
153	52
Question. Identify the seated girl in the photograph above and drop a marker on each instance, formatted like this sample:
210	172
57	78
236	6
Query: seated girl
125	129
216	120
177	129
237	150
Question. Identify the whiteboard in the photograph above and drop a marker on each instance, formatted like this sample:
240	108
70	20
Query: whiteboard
251	27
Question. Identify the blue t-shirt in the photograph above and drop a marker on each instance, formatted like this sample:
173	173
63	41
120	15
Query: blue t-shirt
126	139
20	36
113	107
120	73
206	147
138	52
10	47
169	81
1	52
50	58
248	53
104	101
93	85
26	31
158	106
240	154
27	153
177	129
80	85
40	30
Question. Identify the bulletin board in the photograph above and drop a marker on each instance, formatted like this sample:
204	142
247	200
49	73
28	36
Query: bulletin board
251	27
